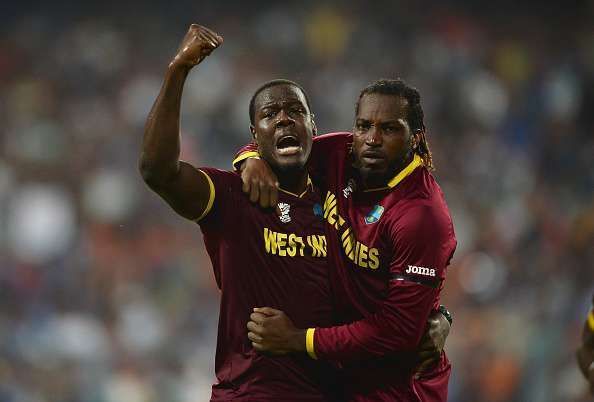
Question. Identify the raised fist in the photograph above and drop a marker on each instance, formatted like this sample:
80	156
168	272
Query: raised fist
198	43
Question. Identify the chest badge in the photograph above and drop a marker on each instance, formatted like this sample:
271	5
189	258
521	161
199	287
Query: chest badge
374	215
284	210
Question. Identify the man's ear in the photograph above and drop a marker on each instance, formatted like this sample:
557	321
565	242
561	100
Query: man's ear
314	127
253	131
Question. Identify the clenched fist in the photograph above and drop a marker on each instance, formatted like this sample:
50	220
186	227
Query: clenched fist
198	43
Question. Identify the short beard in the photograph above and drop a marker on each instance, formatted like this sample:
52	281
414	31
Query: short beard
374	179
286	172
288	169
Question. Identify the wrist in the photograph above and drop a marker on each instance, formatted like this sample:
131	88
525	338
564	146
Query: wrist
298	341
178	67
444	311
240	162
244	163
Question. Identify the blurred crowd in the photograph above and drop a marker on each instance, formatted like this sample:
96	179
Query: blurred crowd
107	296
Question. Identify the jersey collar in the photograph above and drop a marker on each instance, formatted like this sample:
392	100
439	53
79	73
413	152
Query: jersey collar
308	187
415	163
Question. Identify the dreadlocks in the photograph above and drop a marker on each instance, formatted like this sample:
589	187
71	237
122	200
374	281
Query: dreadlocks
414	115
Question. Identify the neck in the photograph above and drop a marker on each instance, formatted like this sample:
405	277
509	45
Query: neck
293	182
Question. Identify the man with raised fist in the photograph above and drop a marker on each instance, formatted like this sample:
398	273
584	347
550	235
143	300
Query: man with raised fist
258	257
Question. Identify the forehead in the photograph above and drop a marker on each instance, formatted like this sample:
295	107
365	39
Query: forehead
382	107
278	94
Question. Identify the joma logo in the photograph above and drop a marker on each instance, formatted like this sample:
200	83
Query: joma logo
413	269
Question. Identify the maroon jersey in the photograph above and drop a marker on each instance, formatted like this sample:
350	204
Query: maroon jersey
388	250
266	258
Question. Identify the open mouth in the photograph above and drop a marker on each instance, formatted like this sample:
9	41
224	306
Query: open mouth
288	145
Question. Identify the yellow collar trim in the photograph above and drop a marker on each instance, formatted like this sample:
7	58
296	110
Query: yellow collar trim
308	186
415	163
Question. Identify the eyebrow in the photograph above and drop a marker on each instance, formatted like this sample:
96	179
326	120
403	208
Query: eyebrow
277	103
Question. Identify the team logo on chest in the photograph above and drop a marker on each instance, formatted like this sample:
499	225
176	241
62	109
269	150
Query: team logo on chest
374	215
284	209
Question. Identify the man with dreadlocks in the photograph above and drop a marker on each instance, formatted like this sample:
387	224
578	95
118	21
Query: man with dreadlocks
390	238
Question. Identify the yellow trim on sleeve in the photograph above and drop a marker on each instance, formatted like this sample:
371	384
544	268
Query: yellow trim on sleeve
591	320
211	196
309	343
244	156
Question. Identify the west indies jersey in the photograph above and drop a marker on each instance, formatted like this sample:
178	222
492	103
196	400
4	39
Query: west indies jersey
388	250
266	258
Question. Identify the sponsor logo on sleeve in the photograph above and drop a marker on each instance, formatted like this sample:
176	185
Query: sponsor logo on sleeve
413	269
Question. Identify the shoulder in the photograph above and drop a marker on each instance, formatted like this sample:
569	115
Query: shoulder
421	185
219	176
331	148
335	136
422	211
333	139
226	198
223	183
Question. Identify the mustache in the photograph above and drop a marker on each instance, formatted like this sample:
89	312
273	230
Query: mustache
373	153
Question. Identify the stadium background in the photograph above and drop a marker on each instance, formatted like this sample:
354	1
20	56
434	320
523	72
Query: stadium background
106	295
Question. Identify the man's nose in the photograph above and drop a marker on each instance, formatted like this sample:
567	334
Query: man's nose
374	136
284	118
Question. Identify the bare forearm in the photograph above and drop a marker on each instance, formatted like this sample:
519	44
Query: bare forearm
159	160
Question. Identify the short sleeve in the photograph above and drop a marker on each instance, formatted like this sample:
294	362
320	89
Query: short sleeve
222	208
